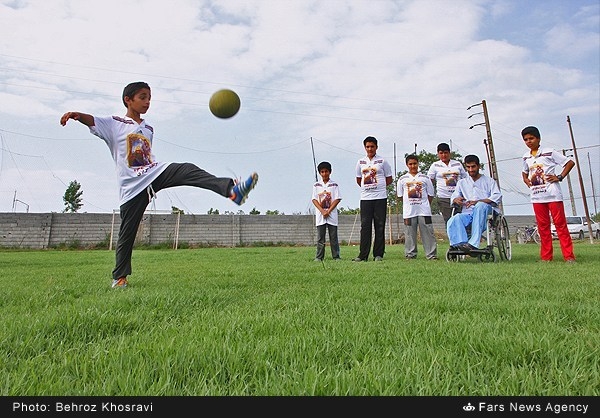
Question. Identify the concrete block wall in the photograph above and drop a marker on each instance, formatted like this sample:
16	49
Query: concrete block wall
25	230
89	230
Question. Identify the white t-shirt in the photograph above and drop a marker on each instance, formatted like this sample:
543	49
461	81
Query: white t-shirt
546	162
373	174
415	191
483	188
130	144
446	176
326	194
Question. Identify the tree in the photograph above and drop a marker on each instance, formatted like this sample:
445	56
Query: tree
175	210
349	211
274	212
72	197
212	211
254	212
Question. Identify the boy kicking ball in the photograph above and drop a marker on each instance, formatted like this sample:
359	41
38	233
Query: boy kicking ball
140	175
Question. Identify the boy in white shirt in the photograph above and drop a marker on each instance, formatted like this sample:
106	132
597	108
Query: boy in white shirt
140	175
373	175
416	192
543	170
326	197
444	174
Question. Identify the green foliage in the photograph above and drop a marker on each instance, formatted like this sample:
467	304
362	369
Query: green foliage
348	211
212	211
175	210
271	322
72	197
254	212
274	212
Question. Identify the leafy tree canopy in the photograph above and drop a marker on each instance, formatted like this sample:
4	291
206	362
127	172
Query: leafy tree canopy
72	197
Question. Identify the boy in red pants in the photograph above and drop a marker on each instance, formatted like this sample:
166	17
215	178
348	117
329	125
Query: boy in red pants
543	170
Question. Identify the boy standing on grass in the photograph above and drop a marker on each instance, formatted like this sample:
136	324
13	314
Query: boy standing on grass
326	197
445	173
543	170
140	175
416	192
373	175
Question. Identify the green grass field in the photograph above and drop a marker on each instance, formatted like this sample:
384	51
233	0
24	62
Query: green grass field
271	321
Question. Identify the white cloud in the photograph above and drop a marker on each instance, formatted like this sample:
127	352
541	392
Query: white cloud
334	71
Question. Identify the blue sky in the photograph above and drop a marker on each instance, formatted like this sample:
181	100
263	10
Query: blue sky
318	75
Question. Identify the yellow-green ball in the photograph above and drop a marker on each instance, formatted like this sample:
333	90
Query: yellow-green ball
224	103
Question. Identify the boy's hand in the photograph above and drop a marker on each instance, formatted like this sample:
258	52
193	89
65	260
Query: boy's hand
460	201
67	116
84	118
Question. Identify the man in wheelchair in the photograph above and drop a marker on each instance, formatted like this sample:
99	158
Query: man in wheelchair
478	195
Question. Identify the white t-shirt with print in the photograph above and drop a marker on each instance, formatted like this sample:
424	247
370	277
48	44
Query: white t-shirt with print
446	176
373	173
130	144
415	191
547	161
483	188
326	194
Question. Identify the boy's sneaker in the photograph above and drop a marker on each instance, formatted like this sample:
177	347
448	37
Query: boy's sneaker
241	189
120	283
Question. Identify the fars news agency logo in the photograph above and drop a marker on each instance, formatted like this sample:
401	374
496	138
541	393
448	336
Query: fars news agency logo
541	407
468	407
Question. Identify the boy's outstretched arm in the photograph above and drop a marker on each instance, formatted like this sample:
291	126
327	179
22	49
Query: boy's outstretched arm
87	120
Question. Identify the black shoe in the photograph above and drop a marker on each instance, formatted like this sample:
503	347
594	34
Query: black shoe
464	247
472	248
467	248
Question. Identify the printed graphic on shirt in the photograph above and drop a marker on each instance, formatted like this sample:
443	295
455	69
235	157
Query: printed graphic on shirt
415	191
325	199
369	175
536	175
450	179
139	152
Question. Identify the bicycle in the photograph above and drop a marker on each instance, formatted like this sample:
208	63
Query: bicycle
528	234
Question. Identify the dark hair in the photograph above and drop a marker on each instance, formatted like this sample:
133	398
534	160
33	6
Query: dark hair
472	159
132	88
442	146
532	130
411	157
323	165
370	139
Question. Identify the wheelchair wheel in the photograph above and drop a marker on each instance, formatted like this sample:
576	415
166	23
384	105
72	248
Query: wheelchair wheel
487	257
451	257
503	239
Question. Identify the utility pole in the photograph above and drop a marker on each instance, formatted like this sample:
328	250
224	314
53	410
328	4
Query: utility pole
593	188
488	130
314	159
573	207
487	153
585	206
489	144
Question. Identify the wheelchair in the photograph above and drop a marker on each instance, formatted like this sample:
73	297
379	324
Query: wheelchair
497	237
